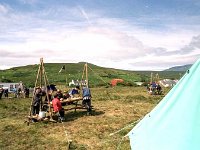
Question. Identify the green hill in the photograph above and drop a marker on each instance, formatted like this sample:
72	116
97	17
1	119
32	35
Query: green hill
98	76
179	68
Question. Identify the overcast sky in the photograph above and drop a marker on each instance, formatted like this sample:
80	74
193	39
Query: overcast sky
123	34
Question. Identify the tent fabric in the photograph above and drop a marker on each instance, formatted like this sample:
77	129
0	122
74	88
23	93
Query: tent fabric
115	81
168	82
174	124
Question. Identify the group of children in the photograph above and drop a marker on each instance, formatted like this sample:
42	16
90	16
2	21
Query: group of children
154	88
57	100
18	93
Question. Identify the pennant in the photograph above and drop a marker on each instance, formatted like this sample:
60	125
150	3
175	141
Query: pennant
63	68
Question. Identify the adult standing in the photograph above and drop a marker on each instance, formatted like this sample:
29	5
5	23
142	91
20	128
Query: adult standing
6	93
26	92
15	92
87	99
37	101
1	92
19	90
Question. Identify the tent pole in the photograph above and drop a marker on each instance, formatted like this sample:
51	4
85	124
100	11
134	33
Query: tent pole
86	70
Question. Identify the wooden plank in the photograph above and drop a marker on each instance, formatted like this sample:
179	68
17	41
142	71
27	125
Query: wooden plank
72	99
80	107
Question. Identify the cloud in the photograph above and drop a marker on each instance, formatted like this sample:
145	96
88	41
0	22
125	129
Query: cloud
5	53
195	42
84	14
158	63
193	46
63	34
3	9
92	44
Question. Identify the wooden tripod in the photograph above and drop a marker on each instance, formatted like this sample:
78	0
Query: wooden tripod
41	82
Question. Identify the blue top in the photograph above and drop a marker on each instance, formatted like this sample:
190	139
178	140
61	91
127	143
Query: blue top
73	91
86	92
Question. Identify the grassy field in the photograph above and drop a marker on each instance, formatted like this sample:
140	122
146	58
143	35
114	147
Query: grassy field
114	108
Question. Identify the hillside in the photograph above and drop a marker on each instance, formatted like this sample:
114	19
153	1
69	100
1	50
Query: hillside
98	76
179	68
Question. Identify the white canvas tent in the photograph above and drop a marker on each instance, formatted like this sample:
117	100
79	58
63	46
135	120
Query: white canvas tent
174	124
168	82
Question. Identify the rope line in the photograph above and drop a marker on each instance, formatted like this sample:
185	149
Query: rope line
97	74
66	134
119	145
127	126
122	139
105	82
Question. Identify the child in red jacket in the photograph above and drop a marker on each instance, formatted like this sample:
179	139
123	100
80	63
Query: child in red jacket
57	106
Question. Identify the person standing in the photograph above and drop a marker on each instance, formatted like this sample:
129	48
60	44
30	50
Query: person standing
19	90
87	99
15	92
26	92
6	93
1	92
37	101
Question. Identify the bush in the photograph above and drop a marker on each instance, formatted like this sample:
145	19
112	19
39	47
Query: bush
6	80
127	84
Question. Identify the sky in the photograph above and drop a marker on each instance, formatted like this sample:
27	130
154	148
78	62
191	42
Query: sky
121	34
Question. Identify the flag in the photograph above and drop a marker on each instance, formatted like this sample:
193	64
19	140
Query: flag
62	68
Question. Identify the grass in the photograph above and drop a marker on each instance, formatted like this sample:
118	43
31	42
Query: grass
74	71
114	108
98	76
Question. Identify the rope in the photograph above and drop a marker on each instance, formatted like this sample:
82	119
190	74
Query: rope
119	145
130	125
66	134
106	83
97	74
108	139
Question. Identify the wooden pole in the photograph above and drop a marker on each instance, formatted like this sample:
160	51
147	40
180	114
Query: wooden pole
47	83
157	78
151	80
83	73
38	73
66	81
41	71
86	71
